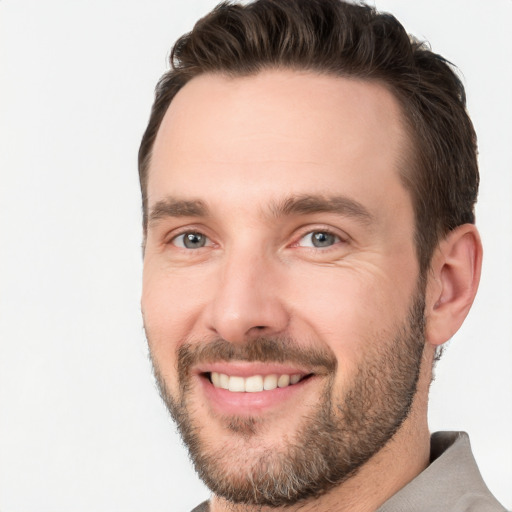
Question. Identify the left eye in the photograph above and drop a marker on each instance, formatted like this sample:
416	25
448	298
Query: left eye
319	239
190	240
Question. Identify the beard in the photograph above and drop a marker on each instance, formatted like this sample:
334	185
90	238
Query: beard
337	436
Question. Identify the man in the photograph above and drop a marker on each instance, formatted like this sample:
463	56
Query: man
308	178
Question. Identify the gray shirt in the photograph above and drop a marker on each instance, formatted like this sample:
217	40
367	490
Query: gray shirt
451	483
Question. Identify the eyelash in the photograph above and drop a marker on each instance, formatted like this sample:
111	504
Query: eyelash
326	231
208	242
189	232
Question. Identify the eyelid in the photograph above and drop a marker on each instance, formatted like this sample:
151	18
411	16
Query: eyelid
181	231
208	242
308	230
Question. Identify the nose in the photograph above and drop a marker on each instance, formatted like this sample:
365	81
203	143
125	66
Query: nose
247	301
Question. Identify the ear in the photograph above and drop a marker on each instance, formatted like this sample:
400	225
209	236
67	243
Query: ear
452	283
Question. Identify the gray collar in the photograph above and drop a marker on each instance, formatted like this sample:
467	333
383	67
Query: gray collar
452	481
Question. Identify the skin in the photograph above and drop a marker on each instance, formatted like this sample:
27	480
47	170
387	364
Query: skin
242	148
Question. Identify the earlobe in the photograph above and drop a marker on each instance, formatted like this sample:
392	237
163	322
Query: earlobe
452	283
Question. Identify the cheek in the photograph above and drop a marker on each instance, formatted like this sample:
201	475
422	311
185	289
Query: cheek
351	311
170	296
169	308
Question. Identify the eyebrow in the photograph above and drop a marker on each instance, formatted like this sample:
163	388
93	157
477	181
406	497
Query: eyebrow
295	205
308	204
173	207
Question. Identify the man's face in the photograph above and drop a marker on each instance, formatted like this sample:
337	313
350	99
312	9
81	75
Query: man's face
280	264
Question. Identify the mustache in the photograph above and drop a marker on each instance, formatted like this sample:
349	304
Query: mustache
276	349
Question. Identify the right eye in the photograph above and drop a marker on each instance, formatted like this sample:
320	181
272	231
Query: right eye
191	240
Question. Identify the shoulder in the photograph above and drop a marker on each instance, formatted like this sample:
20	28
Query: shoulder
478	503
204	507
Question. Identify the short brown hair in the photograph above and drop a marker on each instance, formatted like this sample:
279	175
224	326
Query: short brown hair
347	40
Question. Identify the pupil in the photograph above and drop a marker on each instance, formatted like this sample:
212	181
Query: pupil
193	240
321	239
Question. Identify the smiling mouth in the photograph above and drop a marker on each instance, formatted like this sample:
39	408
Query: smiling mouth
254	383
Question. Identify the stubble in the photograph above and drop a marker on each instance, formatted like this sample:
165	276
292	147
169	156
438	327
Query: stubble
336	437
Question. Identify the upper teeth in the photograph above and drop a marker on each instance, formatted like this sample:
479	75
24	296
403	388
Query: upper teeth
254	383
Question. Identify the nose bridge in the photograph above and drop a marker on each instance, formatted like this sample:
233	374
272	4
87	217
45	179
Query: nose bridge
247	302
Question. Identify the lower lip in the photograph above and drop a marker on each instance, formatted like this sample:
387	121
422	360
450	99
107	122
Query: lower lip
231	403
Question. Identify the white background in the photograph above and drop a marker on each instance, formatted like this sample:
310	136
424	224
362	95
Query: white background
81	425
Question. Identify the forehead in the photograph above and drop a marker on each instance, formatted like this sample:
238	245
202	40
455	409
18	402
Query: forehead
299	132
